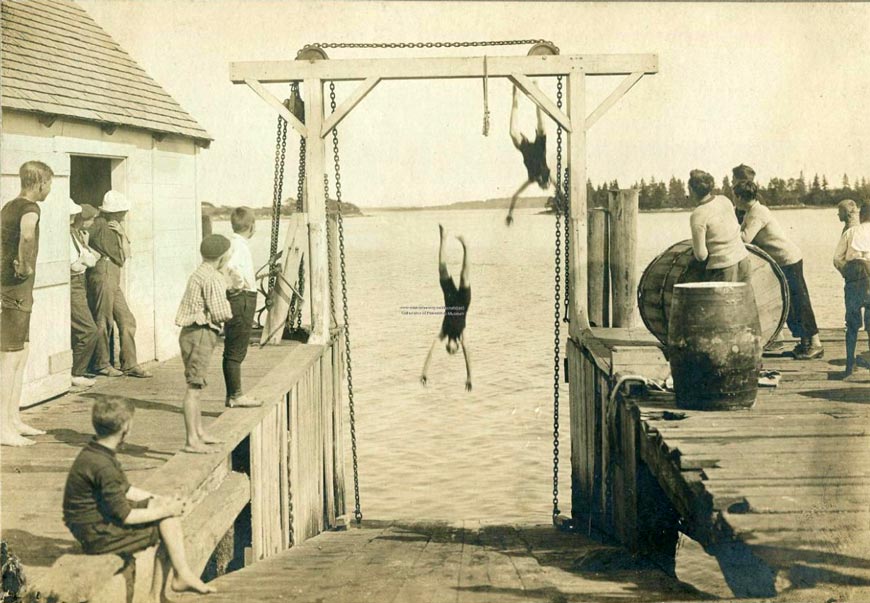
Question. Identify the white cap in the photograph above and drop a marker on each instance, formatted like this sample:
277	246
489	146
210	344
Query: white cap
74	208
114	201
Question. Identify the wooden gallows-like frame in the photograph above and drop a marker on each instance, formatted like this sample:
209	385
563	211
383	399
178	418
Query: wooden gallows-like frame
313	72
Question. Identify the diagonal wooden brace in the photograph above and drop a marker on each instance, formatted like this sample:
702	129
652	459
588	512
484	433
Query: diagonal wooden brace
537	96
348	105
614	97
278	106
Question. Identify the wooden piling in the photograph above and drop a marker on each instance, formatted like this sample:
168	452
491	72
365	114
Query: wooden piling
623	256
598	268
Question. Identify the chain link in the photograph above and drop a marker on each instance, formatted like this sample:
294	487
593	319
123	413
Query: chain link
566	199
357	513
277	194
557	308
404	45
330	270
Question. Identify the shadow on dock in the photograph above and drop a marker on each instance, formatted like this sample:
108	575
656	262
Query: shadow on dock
465	561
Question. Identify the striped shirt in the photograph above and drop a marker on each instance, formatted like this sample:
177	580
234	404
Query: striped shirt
205	299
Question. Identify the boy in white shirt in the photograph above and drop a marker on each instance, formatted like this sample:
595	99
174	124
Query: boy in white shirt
242	294
852	259
82	326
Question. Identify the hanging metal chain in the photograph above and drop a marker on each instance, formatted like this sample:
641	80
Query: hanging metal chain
357	513
557	306
277	194
330	270
470	44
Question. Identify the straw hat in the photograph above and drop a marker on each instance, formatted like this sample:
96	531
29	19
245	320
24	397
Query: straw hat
74	208
113	201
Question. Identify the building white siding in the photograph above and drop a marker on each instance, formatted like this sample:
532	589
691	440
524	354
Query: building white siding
159	178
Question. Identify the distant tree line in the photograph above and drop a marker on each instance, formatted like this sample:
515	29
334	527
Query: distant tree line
793	191
288	208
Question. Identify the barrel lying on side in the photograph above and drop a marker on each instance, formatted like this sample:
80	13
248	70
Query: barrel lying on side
677	265
714	346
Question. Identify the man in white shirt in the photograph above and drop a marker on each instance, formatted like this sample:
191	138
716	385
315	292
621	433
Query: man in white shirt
242	294
83	328
852	259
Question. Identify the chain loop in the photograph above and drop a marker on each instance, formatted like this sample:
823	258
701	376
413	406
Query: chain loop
357	513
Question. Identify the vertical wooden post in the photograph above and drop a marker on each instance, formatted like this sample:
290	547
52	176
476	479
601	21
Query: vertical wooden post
316	209
623	255
598	268
577	177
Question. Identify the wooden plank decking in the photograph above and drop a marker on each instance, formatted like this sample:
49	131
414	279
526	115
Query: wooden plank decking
384	562
780	493
33	478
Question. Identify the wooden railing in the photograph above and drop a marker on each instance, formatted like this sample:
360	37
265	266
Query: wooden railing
283	461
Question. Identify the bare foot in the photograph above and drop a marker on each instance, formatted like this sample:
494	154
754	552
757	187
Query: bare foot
424	380
191	584
243	402
207	439
14	439
509	220
198	448
27	430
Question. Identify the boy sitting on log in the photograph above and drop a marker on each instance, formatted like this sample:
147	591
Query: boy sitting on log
108	515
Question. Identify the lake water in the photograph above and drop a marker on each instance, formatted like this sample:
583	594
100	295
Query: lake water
439	452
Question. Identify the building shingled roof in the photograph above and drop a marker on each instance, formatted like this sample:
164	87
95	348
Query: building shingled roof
57	60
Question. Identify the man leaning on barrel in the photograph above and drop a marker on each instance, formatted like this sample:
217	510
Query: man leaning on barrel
763	230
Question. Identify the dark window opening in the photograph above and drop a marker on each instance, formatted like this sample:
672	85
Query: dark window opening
90	178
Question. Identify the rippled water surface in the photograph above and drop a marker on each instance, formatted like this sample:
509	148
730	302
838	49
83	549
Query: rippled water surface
439	452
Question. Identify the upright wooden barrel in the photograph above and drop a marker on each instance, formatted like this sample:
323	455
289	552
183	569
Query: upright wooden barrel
714	346
677	265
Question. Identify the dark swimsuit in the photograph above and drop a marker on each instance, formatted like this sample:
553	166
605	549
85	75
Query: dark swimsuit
456	302
535	156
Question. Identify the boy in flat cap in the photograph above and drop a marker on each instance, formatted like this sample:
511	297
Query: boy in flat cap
203	309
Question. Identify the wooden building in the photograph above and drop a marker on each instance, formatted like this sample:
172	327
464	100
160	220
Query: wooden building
74	99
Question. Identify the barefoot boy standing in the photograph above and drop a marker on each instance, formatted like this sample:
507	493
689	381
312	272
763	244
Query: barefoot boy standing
108	515
203	308
242	294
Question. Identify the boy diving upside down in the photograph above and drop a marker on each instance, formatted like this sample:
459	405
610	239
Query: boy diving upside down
534	155
456	302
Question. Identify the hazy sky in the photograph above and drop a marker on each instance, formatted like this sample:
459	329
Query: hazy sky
782	87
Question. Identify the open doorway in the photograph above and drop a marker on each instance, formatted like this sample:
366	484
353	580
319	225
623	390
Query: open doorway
90	179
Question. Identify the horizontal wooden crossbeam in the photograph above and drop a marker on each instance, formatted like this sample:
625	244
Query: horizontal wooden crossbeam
441	68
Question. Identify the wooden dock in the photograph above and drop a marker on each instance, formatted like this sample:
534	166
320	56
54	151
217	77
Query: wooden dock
779	494
260	491
460	562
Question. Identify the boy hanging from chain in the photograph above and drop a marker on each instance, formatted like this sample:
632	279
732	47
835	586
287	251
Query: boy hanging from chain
534	155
